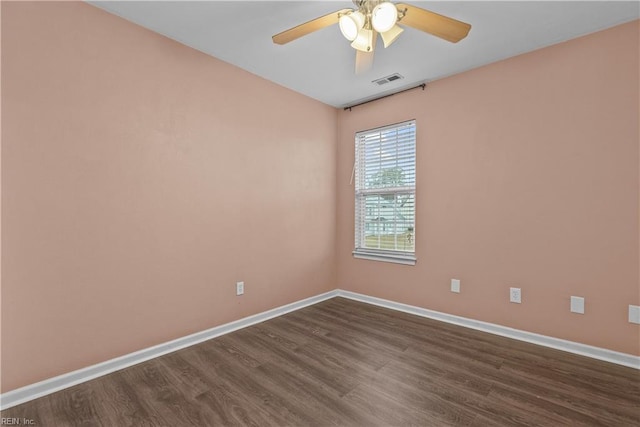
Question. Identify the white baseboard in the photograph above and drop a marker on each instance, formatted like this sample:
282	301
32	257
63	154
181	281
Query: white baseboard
51	385
618	358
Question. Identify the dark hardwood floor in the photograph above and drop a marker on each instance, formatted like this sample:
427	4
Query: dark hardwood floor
342	362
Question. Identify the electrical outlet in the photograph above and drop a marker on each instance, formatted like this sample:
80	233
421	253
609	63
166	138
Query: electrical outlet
455	286
515	295
239	288
577	305
634	313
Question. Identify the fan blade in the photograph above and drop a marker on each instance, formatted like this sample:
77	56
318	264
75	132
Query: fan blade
309	27
430	22
364	60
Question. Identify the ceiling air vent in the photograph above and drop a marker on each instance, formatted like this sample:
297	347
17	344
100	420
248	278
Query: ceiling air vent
388	79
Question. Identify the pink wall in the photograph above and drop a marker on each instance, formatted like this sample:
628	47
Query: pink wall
140	180
528	177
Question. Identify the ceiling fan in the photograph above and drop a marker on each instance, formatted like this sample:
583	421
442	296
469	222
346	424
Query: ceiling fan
362	25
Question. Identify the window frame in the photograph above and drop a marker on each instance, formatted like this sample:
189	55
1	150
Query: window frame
385	255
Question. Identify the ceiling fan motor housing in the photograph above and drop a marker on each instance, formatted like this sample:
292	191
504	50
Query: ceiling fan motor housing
380	16
360	26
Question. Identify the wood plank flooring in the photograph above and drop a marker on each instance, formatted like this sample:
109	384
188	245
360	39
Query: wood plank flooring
342	362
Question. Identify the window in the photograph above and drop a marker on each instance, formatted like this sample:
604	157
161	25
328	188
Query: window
385	184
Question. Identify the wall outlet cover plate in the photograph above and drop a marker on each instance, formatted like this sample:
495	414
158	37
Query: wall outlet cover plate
634	314
515	295
577	305
455	285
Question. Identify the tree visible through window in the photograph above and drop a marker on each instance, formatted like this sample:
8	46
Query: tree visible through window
385	173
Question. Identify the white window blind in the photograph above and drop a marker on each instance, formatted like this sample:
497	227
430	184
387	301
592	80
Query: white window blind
385	187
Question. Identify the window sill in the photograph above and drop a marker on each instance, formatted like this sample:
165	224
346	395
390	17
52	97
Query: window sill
397	258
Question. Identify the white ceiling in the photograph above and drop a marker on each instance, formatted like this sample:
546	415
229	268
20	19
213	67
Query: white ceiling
321	65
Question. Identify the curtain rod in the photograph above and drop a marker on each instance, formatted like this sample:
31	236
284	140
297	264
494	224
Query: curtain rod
423	85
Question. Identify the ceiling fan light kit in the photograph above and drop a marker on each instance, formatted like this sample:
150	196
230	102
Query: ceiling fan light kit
390	36
362	25
351	24
364	40
358	26
384	17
